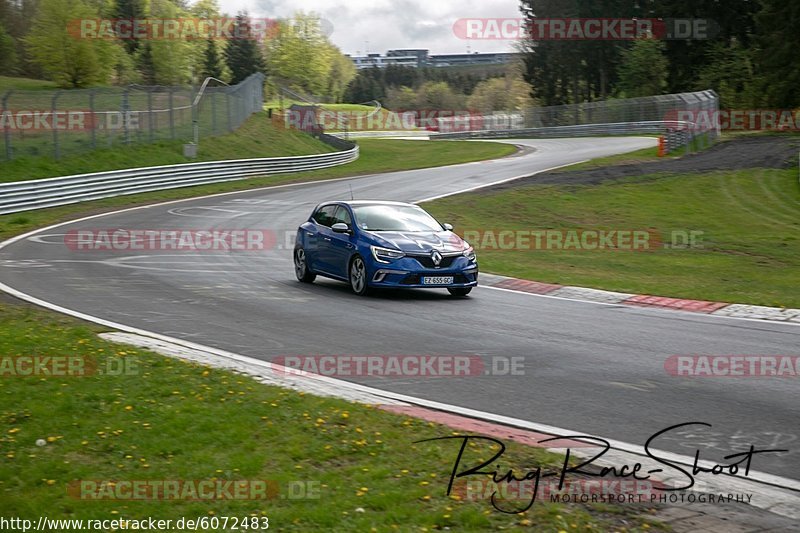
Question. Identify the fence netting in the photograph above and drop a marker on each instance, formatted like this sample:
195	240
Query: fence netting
66	122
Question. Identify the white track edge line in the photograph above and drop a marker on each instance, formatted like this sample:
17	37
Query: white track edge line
464	411
498	182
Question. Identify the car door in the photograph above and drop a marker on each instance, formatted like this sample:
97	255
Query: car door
318	239
341	245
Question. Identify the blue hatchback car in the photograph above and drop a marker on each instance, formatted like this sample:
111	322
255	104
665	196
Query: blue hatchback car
383	244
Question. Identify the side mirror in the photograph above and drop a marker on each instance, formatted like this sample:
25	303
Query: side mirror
448	227
341	227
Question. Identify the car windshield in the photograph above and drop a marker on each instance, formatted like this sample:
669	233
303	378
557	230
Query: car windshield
394	218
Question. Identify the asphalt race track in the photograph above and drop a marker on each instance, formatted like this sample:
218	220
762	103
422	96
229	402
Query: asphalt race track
588	367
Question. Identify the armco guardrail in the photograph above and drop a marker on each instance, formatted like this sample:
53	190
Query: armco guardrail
621	128
418	134
677	134
35	194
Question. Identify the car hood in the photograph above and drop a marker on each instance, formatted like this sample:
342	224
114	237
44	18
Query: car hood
410	242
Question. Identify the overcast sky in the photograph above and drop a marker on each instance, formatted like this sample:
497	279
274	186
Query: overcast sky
388	24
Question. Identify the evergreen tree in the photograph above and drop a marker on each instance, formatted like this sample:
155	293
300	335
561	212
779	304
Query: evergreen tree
211	63
129	10
145	64
242	54
644	69
778	59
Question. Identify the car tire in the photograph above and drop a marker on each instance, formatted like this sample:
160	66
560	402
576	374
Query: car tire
460	291
301	269
358	276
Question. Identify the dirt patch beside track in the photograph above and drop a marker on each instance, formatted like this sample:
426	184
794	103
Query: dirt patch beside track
750	152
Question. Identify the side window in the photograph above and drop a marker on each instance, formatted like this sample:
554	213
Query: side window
324	215
343	215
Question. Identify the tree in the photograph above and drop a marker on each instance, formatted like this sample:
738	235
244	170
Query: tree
301	55
440	96
566	71
777	59
172	59
340	75
498	94
129	10
66	59
145	65
644	69
208	58
401	99
364	88
212	66
730	72
8	52
205	9
688	58
242	55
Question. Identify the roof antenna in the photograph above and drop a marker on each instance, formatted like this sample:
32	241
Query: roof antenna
351	191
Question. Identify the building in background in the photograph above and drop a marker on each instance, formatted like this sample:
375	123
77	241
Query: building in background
418	57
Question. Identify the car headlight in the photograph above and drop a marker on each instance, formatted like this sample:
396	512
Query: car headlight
469	253
385	255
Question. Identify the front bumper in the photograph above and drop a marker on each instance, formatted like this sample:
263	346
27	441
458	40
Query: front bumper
405	273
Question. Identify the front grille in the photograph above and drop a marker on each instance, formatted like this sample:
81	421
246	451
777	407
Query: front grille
427	262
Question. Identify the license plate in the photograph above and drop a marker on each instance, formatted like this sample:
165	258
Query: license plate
441	280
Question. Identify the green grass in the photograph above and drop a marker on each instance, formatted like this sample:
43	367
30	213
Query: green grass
750	221
276	104
377	155
361	117
350	107
256	138
165	419
24	84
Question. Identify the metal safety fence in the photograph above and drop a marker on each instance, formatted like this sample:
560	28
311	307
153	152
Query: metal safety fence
51	192
66	122
670	115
